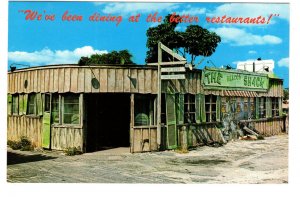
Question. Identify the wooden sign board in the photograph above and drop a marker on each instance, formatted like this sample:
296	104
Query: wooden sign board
165	77
173	69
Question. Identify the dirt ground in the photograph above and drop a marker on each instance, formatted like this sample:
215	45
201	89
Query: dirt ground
261	161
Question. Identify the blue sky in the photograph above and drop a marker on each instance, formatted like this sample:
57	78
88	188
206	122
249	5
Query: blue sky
53	42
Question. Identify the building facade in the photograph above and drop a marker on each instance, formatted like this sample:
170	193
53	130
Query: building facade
95	107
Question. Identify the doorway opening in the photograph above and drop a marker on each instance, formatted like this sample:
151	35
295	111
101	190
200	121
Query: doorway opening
107	120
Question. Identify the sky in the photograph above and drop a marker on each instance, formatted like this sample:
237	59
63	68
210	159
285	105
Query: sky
45	42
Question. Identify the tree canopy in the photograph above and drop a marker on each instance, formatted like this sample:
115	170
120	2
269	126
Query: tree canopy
195	41
114	57
286	94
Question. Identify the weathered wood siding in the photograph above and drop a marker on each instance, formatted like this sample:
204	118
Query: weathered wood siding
199	134
270	126
63	137
275	89
77	79
30	127
143	139
191	84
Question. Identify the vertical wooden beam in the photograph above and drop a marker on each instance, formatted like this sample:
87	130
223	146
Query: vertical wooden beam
131	123
159	58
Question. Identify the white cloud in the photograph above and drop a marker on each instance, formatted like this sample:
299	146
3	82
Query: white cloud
135	8
239	37
252	52
192	11
47	56
284	62
252	10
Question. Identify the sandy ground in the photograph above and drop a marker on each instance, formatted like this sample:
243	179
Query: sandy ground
261	161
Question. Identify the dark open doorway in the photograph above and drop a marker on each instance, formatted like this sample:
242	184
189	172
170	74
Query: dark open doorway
108	121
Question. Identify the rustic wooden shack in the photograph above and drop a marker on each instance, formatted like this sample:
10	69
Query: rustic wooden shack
100	106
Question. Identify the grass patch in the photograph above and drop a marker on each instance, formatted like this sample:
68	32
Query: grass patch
181	150
71	151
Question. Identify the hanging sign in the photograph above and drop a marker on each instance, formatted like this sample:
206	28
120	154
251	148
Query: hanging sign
213	78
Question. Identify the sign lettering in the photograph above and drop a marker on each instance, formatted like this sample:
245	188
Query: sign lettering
235	80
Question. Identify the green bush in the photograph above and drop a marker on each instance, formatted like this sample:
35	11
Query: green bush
71	151
260	137
24	144
25	141
15	145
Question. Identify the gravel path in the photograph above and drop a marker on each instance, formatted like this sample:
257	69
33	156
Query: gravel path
261	161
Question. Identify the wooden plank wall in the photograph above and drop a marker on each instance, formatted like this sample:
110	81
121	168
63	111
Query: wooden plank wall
275	89
192	84
270	127
199	134
144	139
30	127
65	137
77	79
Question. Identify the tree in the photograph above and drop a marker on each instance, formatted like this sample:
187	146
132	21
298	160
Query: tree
195	40
286	94
122	57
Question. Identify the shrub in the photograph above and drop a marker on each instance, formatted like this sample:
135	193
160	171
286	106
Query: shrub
181	150
260	137
23	144
15	145
71	151
25	141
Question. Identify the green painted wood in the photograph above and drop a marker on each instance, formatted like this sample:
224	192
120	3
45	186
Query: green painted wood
9	104
171	121
39	103
219	79
21	106
257	108
280	106
198	108
25	102
268	107
180	108
218	110
46	130
203	114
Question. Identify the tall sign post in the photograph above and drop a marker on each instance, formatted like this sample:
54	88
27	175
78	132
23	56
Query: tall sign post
161	77
159	60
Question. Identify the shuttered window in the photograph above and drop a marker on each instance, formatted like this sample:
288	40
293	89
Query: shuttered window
189	108
262	107
55	108
144	110
71	109
47	103
15	104
275	107
31	107
252	108
211	108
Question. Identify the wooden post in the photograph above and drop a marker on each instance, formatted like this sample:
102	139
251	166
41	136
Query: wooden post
131	135
159	58
184	145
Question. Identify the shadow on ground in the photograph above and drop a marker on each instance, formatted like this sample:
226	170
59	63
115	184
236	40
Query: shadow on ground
15	158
